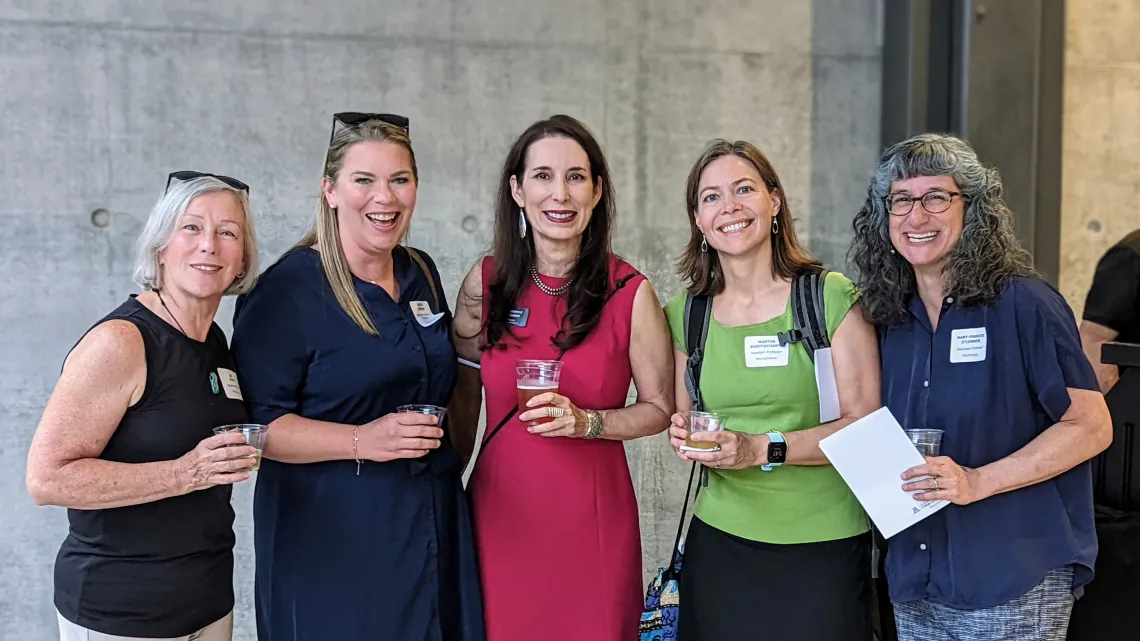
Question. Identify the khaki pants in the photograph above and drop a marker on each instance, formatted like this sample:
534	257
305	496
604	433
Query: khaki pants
220	630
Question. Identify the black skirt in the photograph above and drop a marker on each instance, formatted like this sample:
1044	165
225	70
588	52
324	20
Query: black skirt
733	589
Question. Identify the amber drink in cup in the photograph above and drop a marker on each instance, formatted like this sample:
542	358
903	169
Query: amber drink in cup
534	377
703	422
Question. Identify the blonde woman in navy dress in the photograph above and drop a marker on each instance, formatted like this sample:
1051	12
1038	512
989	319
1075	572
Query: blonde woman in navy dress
361	527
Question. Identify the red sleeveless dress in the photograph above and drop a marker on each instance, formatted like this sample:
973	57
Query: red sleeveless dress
556	519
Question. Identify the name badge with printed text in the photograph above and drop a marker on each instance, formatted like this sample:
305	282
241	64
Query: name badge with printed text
765	351
422	311
230	383
968	345
518	317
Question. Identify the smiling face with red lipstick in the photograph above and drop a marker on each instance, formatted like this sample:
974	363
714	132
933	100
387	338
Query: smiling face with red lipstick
557	191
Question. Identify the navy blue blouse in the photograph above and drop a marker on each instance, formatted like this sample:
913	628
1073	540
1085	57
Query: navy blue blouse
993	378
388	554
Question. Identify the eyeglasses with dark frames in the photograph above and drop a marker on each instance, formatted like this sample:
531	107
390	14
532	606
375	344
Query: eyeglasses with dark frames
183	176
934	202
355	118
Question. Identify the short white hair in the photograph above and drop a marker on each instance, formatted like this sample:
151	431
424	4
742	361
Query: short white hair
163	221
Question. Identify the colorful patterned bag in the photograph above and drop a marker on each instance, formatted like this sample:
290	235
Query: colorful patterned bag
662	600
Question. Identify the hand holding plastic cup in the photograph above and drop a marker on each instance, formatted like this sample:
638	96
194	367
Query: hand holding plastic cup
928	442
254	435
703	422
534	377
430	410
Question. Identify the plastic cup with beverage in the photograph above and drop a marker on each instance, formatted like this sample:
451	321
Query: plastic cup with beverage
928	442
534	377
703	422
254	436
430	410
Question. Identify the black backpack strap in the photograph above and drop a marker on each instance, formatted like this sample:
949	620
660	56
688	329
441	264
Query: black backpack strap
698	311
809	318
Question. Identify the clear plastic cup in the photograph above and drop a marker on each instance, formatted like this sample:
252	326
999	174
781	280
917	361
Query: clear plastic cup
534	377
431	410
254	435
703	422
928	442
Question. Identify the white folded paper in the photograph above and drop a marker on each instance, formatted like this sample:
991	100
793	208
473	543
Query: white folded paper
871	454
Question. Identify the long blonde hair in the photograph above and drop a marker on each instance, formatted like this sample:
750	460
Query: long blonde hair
325	231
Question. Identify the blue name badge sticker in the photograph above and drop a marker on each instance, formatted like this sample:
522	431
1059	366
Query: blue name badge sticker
518	317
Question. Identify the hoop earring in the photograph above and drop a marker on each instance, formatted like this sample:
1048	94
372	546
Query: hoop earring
775	225
704	244
522	223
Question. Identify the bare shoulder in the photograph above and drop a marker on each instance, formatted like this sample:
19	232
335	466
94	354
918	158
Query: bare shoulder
470	298
115	344
111	351
645	301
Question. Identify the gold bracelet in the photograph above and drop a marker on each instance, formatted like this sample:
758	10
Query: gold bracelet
355	454
594	424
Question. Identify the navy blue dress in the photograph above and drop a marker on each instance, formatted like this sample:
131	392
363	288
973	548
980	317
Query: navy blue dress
388	554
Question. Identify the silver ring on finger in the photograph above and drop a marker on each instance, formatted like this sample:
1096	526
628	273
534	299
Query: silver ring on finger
935	483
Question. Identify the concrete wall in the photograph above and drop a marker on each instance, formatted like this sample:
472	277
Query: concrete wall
1101	157
101	99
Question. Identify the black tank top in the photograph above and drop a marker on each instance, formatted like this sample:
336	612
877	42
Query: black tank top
165	568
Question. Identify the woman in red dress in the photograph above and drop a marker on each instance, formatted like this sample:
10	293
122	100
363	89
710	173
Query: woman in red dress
556	519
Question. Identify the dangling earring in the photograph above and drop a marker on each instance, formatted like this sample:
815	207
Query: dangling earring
704	244
522	223
775	225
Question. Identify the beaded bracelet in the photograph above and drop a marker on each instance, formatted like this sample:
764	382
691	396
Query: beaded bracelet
355	453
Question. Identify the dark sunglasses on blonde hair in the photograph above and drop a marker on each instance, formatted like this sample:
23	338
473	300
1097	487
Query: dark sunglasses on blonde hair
183	176
354	118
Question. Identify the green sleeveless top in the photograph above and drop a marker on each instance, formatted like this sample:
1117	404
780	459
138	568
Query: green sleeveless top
792	503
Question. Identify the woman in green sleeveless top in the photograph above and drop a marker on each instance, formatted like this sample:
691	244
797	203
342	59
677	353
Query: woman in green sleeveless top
779	547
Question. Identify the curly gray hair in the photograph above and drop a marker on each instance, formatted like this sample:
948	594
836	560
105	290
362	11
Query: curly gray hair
986	254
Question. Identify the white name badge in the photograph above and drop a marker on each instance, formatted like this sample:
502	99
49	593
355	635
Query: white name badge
230	383
968	345
420	308
765	351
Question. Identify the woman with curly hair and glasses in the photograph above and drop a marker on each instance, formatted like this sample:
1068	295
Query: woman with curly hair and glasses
975	344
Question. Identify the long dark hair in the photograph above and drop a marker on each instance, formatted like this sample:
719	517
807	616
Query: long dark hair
514	255
987	252
700	270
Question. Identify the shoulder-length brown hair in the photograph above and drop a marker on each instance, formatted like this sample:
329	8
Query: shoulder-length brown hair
700	270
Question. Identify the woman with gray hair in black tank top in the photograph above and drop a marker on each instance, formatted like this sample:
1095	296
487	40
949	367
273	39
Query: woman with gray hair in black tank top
126	441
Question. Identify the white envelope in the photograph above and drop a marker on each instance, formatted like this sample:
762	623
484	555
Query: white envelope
871	454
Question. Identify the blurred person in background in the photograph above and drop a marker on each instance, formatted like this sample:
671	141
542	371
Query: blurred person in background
1112	307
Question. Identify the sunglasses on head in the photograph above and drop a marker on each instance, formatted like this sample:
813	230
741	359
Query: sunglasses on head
354	118
183	176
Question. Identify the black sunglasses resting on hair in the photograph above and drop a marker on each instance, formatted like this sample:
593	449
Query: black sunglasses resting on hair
183	176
